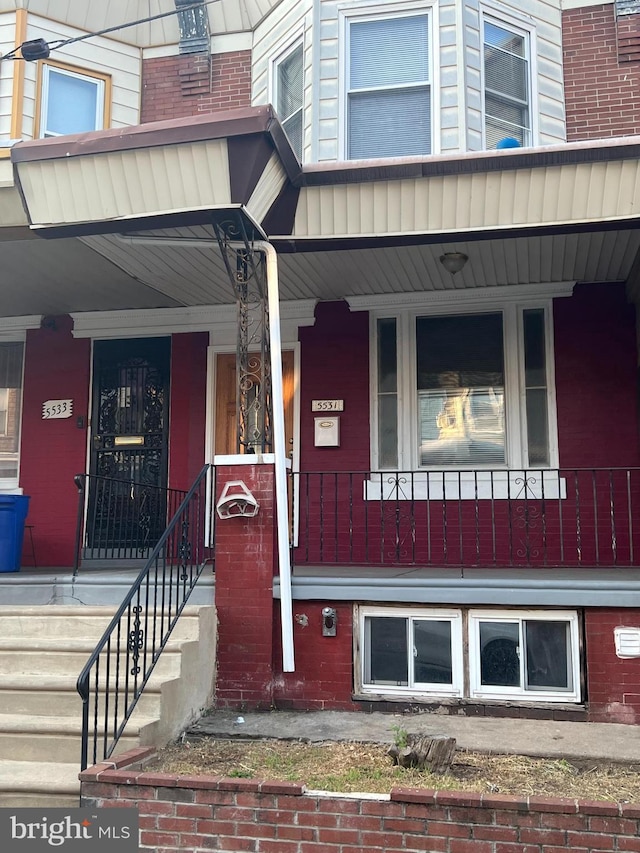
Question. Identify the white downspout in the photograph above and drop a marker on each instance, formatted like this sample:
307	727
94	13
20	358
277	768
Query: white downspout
280	453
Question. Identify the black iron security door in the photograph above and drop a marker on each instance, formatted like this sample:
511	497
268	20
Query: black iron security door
129	441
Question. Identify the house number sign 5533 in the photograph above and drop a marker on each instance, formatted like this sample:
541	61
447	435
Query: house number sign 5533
57	409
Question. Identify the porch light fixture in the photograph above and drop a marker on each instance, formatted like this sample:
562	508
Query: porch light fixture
453	261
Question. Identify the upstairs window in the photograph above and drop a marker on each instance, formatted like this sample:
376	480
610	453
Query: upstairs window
289	94
71	101
507	84
389	87
10	412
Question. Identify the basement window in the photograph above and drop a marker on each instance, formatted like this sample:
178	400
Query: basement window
510	655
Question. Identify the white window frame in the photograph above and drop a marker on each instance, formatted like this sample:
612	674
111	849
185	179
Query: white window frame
95	79
377	12
11	484
455	689
283	54
480	691
515	418
498	18
465	623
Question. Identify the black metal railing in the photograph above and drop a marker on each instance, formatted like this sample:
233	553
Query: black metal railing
121	519
115	675
554	518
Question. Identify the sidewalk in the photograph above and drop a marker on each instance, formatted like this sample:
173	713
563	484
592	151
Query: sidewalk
544	738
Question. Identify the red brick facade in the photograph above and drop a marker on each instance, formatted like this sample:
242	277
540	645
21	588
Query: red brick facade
53	451
246	551
601	72
181	86
193	813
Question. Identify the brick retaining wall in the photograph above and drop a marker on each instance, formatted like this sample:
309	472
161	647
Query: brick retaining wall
195	813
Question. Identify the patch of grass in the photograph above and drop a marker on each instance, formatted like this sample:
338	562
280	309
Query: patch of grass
363	767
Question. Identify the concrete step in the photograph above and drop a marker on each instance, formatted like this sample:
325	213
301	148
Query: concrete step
38	784
36	695
41	657
82	622
42	651
58	738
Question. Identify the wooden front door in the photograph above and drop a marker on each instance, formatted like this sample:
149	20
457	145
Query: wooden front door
226	416
129	445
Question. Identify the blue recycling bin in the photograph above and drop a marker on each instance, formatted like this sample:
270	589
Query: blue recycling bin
13	512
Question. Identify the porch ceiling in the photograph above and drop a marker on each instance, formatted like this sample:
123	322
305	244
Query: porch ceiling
109	272
130	214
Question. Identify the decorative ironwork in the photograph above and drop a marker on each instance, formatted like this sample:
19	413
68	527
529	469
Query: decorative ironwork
246	269
139	631
135	642
550	518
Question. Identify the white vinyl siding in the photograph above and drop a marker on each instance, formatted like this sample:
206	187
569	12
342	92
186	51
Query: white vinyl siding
389	90
97	55
288	86
7	36
289	23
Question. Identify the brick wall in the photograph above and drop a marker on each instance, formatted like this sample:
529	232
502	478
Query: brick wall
324	665
200	813
335	365
613	684
181	86
601	72
245	555
188	407
53	451
595	358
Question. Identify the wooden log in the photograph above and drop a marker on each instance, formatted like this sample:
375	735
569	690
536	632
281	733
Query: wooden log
425	752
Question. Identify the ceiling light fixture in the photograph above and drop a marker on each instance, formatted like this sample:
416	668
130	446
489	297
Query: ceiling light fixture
453	261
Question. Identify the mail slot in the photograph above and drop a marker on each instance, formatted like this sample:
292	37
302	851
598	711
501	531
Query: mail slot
129	440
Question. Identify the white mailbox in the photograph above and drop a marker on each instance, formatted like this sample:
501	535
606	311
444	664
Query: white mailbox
327	431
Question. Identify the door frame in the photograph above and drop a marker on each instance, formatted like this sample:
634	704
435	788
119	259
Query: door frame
90	401
210	424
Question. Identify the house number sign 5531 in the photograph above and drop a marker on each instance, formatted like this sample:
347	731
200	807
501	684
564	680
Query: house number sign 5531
327	405
57	409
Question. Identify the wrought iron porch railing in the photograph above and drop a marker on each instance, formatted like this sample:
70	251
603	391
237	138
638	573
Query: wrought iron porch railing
121	519
535	518
115	675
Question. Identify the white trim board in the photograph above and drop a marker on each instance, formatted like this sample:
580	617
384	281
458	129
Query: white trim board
219	320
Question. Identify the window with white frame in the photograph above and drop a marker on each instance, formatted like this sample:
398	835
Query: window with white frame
532	655
476	386
288	87
389	97
419	651
507	83
70	101
511	655
11	355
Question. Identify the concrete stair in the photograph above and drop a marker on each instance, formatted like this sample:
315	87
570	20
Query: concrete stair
42	651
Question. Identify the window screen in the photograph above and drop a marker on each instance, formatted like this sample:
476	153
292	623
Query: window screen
506	82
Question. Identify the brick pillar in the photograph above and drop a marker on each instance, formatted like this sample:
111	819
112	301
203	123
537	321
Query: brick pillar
245	557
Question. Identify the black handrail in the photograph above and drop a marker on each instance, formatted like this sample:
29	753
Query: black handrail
120	666
122	519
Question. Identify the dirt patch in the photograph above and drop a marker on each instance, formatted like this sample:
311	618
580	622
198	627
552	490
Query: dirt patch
361	767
